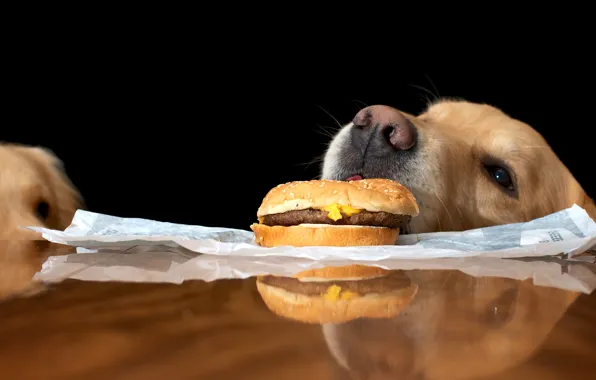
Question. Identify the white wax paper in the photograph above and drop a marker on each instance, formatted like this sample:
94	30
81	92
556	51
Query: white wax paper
131	249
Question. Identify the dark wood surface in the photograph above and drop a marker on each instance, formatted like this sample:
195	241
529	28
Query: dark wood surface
459	327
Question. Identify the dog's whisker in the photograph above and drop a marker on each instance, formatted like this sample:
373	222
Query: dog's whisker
461	216
446	210
423	89
317	159
433	96
324	131
440	229
331	116
426	100
361	102
437	96
307	163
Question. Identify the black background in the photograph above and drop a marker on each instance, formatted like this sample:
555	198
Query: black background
203	145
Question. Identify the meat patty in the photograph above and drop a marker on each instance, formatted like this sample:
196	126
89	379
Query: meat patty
393	281
312	216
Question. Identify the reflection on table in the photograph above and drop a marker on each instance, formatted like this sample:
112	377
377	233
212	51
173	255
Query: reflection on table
457	327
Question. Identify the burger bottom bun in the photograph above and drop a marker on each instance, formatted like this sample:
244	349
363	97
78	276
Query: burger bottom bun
319	235
353	271
318	310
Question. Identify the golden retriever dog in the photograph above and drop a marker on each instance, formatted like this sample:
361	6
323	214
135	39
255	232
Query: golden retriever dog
34	191
469	165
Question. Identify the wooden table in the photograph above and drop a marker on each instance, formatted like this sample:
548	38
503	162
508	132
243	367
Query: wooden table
459	327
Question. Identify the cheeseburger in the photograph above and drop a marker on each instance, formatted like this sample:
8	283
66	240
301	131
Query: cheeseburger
337	294
334	213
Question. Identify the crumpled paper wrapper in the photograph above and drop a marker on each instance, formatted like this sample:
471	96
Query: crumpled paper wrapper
139	250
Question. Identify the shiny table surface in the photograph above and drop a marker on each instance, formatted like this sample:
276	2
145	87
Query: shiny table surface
458	327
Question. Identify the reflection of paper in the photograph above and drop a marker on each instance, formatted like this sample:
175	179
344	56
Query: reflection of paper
570	231
175	265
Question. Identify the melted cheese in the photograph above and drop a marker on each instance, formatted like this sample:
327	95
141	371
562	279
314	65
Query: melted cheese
311	225
334	293
335	211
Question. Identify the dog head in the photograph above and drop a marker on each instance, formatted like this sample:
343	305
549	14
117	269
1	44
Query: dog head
468	165
34	191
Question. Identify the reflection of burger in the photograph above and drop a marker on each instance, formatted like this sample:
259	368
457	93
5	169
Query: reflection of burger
338	294
334	213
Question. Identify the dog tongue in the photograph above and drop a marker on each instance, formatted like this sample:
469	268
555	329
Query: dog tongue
354	178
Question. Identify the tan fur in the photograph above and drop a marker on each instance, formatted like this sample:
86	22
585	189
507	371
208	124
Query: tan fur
458	133
29	175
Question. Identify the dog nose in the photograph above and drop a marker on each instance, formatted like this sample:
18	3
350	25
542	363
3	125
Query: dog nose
386	127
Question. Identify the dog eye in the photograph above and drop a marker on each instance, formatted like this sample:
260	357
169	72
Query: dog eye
501	176
43	210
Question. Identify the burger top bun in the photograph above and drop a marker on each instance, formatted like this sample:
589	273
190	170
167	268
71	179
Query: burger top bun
374	195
